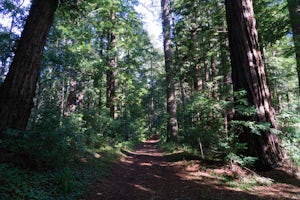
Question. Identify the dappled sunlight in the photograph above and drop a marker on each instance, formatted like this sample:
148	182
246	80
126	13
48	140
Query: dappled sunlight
127	160
146	164
93	92
148	174
282	190
96	155
152	141
149	153
140	187
199	175
192	168
157	176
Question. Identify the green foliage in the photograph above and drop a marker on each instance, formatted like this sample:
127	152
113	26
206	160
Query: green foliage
244	120
42	151
14	9
204	120
232	148
42	163
51	164
199	43
173	148
18	184
246	183
97	126
289	122
272	20
68	182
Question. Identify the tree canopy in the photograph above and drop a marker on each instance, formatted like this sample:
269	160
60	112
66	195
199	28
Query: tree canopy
86	74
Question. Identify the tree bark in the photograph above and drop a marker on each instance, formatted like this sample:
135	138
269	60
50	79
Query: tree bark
111	99
248	73
196	71
172	125
293	6
72	99
18	90
214	77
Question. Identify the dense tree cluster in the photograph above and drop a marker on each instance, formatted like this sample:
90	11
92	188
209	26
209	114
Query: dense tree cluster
86	72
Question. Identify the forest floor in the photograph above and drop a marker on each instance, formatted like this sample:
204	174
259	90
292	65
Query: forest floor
148	174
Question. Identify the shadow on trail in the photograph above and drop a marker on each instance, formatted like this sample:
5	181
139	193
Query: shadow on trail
147	174
150	152
280	176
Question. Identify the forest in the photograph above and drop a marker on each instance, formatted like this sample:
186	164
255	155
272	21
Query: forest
92	108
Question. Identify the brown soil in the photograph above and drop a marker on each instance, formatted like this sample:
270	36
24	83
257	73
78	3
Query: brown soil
148	174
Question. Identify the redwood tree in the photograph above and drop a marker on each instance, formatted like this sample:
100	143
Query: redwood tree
18	90
248	73
111	98
172	125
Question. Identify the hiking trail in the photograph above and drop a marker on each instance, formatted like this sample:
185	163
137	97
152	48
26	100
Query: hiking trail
148	174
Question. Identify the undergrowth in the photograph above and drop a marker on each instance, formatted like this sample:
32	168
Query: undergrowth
172	147
178	152
69	182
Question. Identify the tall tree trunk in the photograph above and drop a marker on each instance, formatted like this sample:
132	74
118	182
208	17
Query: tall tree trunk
214	77
18	90
181	77
111	98
206	69
62	99
99	77
248	73
293	6
196	71
71	101
172	126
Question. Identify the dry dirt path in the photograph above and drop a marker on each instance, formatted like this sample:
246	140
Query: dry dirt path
146	174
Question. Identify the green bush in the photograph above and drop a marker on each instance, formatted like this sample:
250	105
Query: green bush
289	122
96	127
66	183
203	120
41	151
244	121
44	150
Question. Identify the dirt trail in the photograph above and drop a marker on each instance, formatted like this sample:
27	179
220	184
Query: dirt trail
147	174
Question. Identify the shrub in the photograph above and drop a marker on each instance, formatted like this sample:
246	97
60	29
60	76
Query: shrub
289	122
44	150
